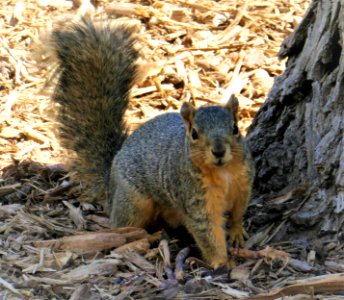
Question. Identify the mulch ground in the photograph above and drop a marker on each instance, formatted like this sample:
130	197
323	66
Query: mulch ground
55	246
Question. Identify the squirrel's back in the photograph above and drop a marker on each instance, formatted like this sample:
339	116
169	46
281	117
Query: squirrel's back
153	159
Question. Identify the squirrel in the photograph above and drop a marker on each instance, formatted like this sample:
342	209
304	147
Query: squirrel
190	168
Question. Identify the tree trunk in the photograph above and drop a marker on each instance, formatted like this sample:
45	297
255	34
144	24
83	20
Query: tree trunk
297	136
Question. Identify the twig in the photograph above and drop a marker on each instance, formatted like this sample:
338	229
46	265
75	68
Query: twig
10	287
268	252
181	256
231	46
198	262
166	256
8	189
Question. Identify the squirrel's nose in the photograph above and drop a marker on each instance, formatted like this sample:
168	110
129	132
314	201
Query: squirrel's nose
218	153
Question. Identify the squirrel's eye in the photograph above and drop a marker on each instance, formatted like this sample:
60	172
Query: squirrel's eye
194	134
235	129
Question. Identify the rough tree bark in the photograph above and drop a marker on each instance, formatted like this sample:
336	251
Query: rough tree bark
297	136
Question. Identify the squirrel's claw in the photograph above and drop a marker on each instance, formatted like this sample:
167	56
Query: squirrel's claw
236	236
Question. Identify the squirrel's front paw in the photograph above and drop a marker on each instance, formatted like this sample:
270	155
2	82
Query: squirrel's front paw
236	235
223	266
217	263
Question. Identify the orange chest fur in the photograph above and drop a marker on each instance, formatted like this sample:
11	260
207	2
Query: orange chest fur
224	186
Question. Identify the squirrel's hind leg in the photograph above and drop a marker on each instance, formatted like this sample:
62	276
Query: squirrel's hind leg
130	208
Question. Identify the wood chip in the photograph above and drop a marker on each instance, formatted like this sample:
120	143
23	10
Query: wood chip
98	267
139	246
88	242
331	283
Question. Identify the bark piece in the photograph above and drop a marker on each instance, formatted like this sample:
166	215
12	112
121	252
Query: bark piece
83	292
139	246
90	242
97	267
322	284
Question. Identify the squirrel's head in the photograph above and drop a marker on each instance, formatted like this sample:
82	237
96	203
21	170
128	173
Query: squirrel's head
212	132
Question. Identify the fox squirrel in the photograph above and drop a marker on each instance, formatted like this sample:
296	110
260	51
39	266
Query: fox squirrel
188	168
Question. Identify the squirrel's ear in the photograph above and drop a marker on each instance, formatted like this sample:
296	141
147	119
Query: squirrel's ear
187	112
233	105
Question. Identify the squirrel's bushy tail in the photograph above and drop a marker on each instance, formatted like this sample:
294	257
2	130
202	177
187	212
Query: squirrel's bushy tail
97	68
